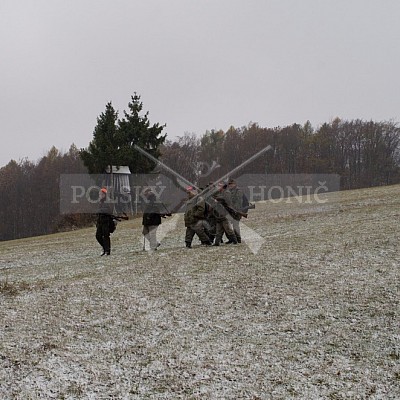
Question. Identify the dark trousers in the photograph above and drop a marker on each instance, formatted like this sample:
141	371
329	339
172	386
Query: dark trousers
103	233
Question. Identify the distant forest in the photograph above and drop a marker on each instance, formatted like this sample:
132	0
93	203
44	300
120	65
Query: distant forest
363	153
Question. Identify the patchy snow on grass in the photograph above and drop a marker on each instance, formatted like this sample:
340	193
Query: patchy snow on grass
308	308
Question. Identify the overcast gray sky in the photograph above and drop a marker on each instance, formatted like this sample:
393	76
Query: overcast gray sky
197	64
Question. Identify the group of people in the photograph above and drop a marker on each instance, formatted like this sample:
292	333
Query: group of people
216	213
209	214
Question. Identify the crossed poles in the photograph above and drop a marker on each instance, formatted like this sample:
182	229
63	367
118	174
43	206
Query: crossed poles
209	191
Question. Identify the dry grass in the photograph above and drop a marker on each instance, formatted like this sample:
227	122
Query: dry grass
314	314
12	289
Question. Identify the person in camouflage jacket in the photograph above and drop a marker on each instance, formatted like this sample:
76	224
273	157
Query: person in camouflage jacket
221	204
194	218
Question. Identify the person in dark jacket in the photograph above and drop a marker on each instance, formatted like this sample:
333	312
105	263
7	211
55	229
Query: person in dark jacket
105	222
239	200
151	219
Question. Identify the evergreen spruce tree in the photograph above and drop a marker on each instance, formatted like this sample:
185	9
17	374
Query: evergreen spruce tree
114	140
134	129
103	150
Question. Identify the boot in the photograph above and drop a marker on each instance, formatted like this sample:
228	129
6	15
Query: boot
188	245
232	240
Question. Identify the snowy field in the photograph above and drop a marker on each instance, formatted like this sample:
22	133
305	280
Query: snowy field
307	309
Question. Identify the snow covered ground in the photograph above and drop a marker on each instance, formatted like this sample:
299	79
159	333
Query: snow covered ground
311	312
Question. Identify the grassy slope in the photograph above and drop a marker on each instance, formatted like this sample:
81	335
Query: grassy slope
313	314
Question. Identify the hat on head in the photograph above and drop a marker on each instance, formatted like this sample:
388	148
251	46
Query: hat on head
191	189
103	190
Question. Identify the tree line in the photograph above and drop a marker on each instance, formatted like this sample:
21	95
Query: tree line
363	153
30	201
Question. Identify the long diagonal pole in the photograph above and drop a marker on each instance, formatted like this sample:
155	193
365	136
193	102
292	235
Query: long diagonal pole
152	158
207	190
